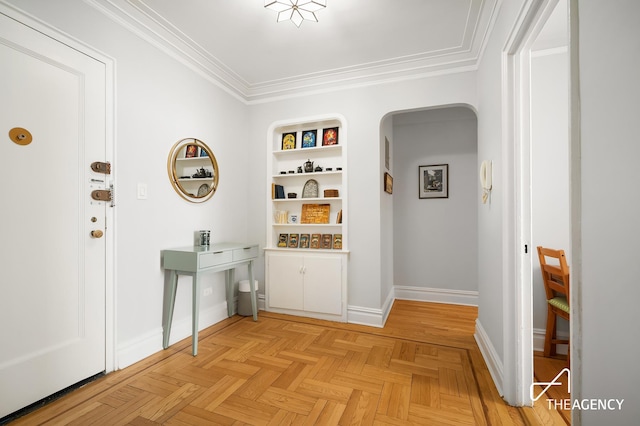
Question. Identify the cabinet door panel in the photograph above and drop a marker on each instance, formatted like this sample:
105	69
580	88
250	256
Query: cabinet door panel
323	284
285	282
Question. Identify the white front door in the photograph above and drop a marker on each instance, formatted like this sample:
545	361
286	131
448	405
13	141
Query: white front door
52	282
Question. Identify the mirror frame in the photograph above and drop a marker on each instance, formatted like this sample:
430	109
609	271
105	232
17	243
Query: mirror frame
176	150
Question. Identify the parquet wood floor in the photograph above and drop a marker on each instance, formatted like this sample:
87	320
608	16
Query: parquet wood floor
422	368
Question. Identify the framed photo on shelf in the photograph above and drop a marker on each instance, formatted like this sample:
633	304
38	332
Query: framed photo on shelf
293	240
304	241
283	239
191	152
315	241
337	241
330	136
433	181
309	138
388	183
326	241
288	141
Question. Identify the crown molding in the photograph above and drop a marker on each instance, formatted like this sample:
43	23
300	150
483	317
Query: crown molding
141	20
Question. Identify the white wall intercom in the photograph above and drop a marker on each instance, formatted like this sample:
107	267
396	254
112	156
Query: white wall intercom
485	180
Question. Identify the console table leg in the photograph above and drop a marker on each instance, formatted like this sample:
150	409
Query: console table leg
229	278
169	302
254	296
195	312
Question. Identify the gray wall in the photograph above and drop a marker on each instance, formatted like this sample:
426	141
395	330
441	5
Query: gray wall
608	209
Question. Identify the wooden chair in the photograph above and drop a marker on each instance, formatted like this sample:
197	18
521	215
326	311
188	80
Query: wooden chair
555	277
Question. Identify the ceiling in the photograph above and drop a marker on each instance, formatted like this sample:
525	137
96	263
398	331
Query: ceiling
239	44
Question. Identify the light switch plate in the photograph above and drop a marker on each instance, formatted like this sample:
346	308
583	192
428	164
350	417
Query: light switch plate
142	191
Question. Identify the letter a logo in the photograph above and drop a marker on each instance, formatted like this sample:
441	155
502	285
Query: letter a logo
554	382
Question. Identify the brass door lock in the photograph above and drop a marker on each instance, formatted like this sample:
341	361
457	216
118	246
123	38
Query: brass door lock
20	136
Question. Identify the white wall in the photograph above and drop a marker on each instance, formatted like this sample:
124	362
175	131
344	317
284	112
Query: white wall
364	109
387	214
491	285
550	201
435	240
608	208
159	101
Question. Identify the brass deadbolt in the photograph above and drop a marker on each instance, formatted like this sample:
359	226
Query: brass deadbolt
20	136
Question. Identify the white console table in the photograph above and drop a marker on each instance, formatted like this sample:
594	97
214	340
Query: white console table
197	260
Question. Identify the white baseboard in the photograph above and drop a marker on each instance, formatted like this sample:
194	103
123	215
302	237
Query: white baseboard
135	350
371	316
538	341
491	358
365	316
377	317
437	295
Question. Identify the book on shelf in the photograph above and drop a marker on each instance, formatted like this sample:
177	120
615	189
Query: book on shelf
277	191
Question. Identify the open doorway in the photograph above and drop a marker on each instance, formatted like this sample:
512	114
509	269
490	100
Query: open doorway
550	180
430	235
519	248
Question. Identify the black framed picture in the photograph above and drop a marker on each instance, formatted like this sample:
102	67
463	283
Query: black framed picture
289	140
433	181
191	152
309	138
330	136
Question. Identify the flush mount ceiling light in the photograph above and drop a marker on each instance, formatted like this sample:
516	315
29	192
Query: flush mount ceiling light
296	10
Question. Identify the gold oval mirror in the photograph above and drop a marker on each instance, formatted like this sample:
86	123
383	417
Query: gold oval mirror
193	170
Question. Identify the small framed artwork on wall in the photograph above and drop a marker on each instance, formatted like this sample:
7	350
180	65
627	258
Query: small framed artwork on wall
433	181
388	183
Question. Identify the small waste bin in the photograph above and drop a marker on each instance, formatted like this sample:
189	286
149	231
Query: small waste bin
244	298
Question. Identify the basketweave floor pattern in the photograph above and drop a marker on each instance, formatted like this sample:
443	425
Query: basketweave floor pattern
287	370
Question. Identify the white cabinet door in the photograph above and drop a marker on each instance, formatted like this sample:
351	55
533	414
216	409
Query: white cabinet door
323	284
285	281
312	283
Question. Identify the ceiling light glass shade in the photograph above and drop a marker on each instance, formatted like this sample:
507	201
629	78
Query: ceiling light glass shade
296	11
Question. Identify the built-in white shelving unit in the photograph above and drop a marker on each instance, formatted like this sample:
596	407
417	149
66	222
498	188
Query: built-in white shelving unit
304	278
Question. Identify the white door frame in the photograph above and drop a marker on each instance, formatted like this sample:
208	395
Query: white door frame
516	225
110	225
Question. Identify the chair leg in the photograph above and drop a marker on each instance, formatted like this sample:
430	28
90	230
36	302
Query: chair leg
550	334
